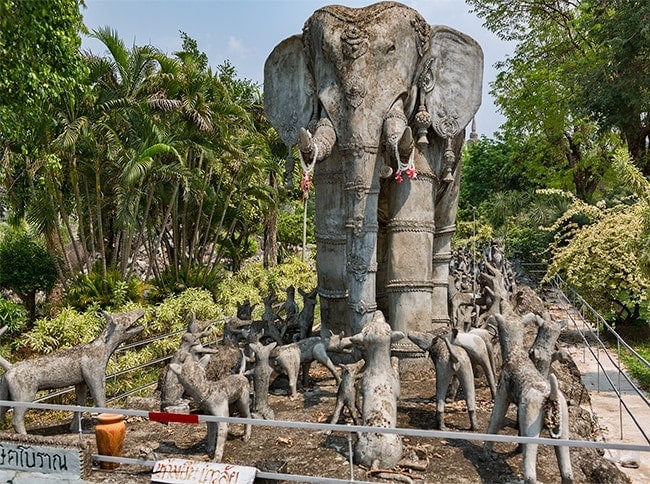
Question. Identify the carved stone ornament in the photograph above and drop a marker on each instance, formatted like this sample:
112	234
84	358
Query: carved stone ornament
426	80
355	90
358	266
446	123
356	224
358	15
354	42
355	149
358	187
363	307
423	30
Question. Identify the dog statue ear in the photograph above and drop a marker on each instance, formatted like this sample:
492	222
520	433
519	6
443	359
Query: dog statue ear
396	336
110	325
203	362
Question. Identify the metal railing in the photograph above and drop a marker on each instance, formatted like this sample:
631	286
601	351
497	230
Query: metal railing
311	426
589	322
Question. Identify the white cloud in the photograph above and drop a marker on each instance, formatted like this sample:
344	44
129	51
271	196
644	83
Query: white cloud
236	46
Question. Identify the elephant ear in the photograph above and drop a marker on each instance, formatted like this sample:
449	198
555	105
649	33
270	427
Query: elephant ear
288	89
451	80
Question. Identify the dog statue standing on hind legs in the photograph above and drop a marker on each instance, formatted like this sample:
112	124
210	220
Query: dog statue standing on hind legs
82	366
538	398
380	389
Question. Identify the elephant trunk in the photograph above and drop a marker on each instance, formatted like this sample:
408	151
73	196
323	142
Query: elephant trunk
361	187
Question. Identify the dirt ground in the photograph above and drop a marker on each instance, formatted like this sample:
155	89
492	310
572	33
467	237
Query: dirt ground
313	453
316	454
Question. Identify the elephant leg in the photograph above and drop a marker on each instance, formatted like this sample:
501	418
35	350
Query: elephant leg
410	233
331	256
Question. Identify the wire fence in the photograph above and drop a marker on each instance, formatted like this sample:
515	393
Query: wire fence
588	323
310	426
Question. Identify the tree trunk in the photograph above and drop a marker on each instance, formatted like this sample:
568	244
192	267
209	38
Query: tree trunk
271	231
29	300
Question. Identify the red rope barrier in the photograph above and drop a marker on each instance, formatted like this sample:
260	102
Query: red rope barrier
166	417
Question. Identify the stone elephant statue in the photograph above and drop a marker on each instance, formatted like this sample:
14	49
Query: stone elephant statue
377	101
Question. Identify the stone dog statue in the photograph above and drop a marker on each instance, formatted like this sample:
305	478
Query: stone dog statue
449	361
82	366
171	391
538	398
346	394
261	379
380	389
289	359
215	398
479	353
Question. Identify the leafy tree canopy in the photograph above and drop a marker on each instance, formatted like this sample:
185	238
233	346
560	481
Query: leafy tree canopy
25	267
579	70
487	168
39	54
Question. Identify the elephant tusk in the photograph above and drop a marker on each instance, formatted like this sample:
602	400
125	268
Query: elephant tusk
408	167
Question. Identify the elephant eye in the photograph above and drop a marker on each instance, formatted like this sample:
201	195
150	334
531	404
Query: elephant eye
391	48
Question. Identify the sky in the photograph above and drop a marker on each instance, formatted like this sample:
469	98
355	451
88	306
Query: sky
244	32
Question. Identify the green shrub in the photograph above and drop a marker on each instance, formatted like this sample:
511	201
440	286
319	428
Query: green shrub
601	262
253	283
13	315
173	313
470	234
25	268
290	226
174	281
69	328
238	248
106	292
529	243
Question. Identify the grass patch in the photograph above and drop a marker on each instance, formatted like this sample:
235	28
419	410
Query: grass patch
637	368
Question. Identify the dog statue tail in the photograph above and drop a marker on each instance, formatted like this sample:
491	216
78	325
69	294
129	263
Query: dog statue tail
553	410
4	363
242	366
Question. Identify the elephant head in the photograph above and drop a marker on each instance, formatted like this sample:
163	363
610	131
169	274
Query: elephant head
351	91
353	65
